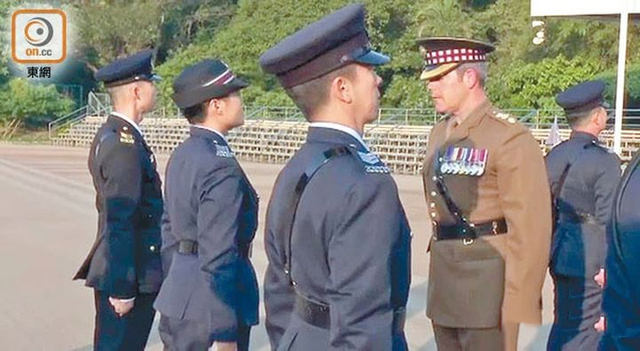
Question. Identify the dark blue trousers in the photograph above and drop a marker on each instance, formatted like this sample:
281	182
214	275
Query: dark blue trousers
127	333
578	306
186	335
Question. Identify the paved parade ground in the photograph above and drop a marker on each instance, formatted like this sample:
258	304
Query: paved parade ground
48	223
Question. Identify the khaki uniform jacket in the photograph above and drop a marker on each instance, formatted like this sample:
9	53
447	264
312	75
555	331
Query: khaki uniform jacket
496	278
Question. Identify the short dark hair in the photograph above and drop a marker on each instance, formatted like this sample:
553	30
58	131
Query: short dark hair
581	118
196	113
309	96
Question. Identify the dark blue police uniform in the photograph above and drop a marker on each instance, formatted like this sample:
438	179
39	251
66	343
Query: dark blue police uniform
622	288
336	235
349	250
210	292
124	261
583	175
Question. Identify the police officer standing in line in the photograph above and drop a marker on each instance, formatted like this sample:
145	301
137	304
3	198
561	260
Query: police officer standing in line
210	293
583	176
488	197
621	298
124	266
337	237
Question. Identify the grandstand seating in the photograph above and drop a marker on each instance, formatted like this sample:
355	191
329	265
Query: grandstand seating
400	146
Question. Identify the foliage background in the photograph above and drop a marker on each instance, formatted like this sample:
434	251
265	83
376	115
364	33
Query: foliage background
522	75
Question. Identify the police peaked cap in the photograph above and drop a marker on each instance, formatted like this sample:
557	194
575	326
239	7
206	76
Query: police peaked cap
330	43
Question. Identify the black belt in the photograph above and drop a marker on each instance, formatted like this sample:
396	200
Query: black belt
317	314
459	232
190	247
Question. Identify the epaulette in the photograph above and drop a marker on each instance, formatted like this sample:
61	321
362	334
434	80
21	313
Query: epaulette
596	145
556	147
223	150
372	163
501	116
126	136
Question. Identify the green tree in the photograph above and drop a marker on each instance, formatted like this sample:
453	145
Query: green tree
5	29
632	85
534	85
189	21
259	24
31	104
444	18
108	29
240	31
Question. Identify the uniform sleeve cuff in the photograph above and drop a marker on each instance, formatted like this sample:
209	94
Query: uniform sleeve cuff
123	297
226	336
127	300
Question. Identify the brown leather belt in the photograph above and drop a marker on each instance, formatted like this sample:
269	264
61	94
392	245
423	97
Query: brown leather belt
472	231
317	314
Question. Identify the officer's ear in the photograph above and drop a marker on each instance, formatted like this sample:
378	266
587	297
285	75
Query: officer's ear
342	89
599	117
470	78
217	106
136	91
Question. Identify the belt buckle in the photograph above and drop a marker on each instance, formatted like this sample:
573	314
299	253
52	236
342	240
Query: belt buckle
494	227
469	241
435	230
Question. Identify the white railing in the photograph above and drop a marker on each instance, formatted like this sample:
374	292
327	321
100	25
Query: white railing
97	105
66	120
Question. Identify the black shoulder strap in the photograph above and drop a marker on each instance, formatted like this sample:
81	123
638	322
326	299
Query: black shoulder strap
103	137
312	168
455	211
555	194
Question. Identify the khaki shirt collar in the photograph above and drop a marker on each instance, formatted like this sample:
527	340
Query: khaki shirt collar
471	120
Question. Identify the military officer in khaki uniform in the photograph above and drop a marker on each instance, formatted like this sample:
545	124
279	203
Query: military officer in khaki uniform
488	198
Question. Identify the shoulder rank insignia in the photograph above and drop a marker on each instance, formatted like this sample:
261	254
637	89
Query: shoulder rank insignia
464	161
223	151
504	116
601	146
372	162
369	158
126	138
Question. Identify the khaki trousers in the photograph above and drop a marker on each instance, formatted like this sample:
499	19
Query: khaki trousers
474	339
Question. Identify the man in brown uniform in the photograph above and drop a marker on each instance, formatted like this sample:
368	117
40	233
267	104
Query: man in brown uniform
488	198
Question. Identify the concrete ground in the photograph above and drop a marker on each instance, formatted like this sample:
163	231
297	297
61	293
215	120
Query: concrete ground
48	223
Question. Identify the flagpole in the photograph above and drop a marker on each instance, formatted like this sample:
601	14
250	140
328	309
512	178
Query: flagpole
622	60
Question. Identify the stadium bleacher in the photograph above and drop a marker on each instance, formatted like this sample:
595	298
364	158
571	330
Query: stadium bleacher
274	141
